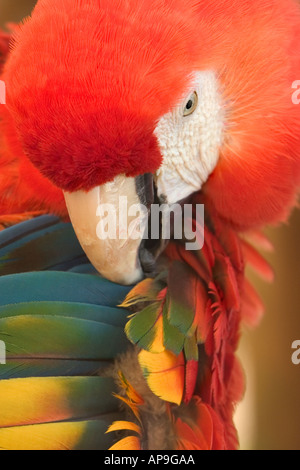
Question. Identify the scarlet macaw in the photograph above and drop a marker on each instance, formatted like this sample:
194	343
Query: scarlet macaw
155	101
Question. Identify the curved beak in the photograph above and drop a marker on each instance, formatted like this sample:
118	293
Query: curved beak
110	222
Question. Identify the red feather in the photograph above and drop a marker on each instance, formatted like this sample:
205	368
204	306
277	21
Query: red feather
191	372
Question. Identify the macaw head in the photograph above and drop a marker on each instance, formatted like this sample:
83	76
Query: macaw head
159	99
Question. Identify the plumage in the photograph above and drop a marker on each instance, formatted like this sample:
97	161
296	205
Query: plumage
180	37
52	392
73	435
57	247
72	287
211	298
164	373
38	400
158	101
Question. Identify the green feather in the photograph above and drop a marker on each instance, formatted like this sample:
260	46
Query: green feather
95	437
181	297
109	315
35	367
173	338
140	329
191	349
60	337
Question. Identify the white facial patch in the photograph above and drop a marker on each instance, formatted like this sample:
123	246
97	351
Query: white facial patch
190	144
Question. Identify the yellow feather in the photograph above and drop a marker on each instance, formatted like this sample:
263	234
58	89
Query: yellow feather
133	406
128	443
53	436
33	400
157	345
165	374
130	391
124	425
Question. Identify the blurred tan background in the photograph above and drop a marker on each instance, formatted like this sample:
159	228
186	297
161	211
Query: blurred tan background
270	415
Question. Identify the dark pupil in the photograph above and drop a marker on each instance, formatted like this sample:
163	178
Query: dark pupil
189	104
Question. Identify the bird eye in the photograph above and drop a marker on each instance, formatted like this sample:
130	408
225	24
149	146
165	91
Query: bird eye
191	104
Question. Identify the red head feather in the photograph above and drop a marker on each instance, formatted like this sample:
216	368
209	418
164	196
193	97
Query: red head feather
88	80
87	83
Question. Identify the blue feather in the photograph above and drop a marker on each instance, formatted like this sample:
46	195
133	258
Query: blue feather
40	244
59	286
